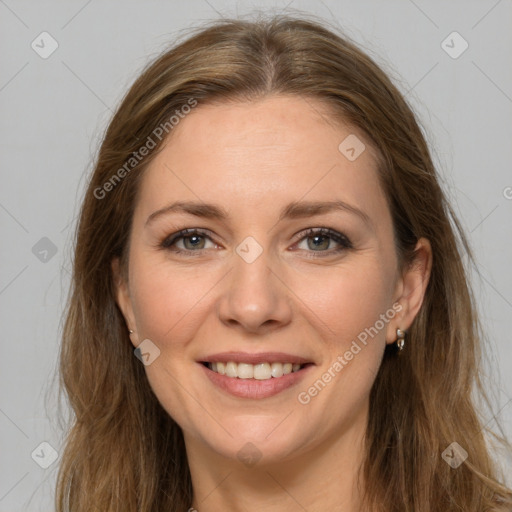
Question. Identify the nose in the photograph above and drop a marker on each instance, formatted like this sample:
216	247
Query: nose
254	299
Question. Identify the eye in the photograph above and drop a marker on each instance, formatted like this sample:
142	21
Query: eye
188	241
323	240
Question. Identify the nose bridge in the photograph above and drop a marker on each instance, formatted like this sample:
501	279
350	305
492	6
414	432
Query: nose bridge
253	296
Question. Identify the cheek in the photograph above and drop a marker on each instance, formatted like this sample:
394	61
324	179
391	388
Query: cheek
346	300
353	310
170	309
168	304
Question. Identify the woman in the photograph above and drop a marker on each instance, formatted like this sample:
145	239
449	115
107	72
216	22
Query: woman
264	229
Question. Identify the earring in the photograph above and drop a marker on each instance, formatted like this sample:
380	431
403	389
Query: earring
400	342
130	331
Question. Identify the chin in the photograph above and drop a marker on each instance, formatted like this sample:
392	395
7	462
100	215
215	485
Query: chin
256	440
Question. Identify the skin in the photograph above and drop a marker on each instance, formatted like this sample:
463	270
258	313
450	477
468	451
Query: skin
253	159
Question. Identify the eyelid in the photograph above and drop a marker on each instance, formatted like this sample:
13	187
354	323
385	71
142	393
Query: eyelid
171	239
325	232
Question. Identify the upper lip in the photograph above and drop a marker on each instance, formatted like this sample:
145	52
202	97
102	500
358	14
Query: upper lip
261	357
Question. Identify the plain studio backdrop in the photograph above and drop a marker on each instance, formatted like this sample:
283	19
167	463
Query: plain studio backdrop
64	68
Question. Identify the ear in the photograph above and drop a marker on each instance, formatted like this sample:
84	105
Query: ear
123	299
411	288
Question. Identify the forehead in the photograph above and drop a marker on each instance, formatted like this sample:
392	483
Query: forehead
271	152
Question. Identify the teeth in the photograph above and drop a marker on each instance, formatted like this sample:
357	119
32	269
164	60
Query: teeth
261	371
245	371
276	370
231	369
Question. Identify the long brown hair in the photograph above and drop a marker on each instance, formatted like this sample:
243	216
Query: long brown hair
123	451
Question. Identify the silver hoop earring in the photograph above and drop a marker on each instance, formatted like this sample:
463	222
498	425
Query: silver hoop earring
400	342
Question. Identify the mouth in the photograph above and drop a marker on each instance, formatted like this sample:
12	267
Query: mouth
260	371
254	376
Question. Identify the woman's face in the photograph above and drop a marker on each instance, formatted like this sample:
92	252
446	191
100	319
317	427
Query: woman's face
289	258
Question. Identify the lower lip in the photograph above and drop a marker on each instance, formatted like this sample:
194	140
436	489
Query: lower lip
253	388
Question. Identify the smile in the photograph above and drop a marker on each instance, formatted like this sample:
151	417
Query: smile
260	371
254	375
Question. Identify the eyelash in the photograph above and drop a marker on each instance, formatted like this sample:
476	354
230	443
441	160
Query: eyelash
340	238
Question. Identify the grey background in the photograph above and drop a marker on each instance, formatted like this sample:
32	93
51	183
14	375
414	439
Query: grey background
54	111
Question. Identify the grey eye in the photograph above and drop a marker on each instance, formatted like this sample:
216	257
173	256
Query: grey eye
192	242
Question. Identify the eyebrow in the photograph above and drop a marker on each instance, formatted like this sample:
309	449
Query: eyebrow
294	210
